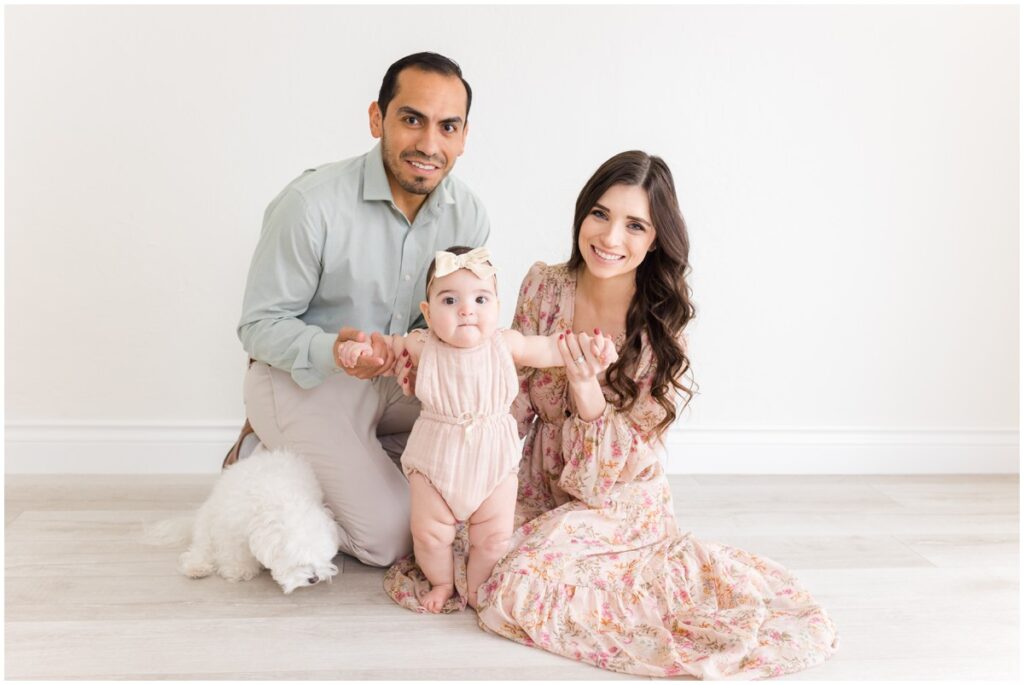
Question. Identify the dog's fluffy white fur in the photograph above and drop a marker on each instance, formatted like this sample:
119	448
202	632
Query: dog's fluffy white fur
265	511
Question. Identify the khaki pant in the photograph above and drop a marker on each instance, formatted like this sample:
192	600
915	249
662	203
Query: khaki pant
352	432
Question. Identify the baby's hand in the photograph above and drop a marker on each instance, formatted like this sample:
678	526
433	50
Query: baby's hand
586	355
603	349
350	351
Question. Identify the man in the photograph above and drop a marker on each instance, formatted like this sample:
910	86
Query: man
344	250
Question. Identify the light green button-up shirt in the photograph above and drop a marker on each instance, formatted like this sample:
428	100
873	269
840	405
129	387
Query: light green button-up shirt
336	251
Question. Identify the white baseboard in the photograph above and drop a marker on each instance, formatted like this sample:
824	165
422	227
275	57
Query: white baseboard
90	447
93	447
841	451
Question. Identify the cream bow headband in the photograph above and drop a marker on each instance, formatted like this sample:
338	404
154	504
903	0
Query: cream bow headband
474	260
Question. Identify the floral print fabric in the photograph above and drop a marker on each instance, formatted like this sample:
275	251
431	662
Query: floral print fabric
598	569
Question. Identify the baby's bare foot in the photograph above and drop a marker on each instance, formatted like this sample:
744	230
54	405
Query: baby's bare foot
435	599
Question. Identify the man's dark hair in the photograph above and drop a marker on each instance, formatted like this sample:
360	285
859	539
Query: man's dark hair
427	61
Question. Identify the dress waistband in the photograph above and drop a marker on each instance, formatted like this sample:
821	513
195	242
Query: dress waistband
467	419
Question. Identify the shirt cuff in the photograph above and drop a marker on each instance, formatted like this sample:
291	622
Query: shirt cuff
321	353
598	420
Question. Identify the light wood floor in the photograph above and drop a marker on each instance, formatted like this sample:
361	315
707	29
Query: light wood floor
920	574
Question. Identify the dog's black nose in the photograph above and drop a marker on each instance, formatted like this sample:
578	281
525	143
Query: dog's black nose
313	580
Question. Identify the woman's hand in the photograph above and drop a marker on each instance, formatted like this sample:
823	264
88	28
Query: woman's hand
407	359
405	373
398	349
586	357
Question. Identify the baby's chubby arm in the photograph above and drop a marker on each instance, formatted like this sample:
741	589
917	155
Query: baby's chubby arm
537	351
542	352
408	346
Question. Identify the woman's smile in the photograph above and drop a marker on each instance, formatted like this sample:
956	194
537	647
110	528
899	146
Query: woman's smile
604	256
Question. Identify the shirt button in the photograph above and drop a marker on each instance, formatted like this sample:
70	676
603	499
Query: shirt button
407	277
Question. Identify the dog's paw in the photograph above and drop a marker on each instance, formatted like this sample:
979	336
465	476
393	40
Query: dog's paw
234	574
194	565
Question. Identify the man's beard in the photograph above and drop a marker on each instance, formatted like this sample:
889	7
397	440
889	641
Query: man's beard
419	185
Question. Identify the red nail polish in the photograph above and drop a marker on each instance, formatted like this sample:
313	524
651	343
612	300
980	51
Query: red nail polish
561	336
408	364
405	353
597	331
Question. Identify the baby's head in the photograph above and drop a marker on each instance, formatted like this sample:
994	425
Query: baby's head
462	296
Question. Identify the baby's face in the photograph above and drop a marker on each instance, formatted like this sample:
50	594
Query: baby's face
462	309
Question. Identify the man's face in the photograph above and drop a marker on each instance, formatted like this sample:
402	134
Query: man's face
423	131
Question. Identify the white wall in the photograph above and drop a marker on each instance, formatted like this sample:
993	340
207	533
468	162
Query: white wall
850	177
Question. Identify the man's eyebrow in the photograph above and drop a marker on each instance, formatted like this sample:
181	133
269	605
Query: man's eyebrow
409	110
405	109
634	218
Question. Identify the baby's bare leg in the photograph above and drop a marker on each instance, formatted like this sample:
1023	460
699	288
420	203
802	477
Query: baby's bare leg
433	531
490	528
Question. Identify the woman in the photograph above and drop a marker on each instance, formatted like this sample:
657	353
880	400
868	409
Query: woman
598	570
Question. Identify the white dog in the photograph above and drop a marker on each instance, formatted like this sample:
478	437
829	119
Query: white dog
265	511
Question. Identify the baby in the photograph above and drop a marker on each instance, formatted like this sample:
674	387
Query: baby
463	453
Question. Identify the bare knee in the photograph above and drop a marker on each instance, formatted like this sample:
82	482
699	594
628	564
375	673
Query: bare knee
492	544
432	534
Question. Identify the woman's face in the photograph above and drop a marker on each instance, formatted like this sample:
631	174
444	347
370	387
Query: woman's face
617	232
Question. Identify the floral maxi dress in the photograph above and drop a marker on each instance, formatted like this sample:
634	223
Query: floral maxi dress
598	569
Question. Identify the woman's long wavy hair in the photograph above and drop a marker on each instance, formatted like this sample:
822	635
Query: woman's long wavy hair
661	305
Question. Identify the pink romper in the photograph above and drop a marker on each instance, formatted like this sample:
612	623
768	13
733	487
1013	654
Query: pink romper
465	441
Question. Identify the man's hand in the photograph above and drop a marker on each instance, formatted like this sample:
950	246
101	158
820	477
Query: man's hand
378	363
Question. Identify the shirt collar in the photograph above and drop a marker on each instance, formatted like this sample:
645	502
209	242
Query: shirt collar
375	181
376	186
